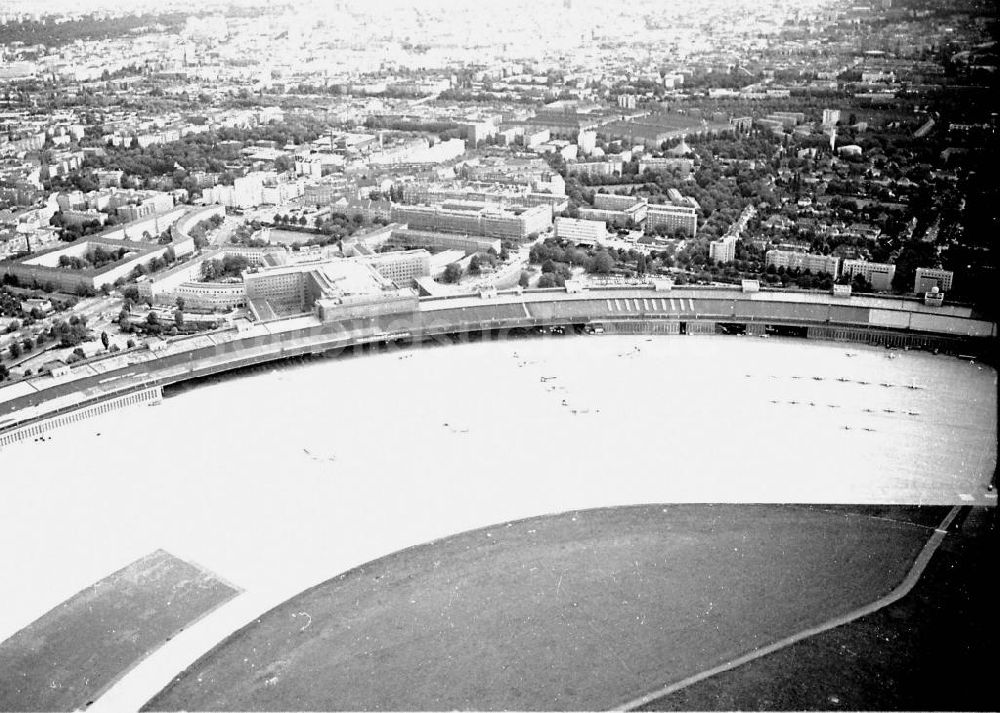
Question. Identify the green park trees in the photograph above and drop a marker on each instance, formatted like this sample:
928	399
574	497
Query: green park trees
452	273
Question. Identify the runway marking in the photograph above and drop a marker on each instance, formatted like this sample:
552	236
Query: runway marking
909	581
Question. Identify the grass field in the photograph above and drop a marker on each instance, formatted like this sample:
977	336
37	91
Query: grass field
65	659
920	653
578	611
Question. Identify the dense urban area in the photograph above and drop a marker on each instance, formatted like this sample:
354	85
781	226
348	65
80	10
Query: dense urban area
167	171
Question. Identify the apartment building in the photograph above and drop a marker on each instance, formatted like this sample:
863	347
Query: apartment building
930	277
476	218
792	260
403	267
723	250
434	240
672	217
603	167
617	216
614	201
879	274
580	231
666	165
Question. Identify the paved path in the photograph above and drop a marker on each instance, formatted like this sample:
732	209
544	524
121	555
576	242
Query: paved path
919	564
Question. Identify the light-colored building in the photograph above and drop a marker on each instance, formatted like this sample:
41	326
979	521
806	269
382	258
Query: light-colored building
333	289
603	167
879	274
666	165
613	201
723	250
434	240
635	213
402	267
927	278
672	217
476	218
831	117
580	231
791	260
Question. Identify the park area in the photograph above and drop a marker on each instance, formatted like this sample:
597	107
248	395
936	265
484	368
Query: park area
579	611
64	660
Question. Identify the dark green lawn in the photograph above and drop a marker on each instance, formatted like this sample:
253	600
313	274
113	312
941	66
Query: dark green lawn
578	611
65	659
928	651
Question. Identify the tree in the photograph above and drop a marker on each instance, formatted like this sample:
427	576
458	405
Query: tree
179	318
105	340
130	344
4	372
28	344
525	279
452	273
152	319
602	263
180	303
860	283
474	266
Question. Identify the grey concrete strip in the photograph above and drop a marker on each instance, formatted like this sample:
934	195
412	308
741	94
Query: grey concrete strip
919	564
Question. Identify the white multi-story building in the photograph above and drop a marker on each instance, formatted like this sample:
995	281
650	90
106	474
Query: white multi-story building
879	274
791	260
580	231
666	165
673	217
475	218
618	216
929	277
402	267
723	250
603	167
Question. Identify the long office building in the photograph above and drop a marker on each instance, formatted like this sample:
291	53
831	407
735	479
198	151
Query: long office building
434	240
617	216
666	165
930	277
614	201
504	194
332	289
672	217
792	260
475	218
403	267
580	231
601	167
879	274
